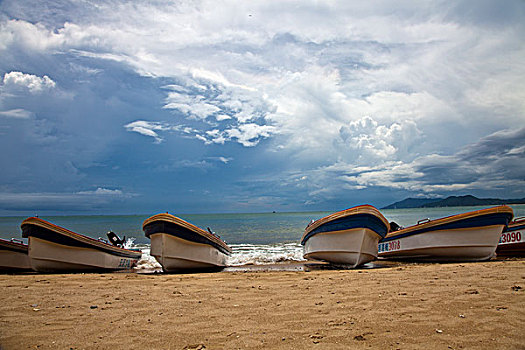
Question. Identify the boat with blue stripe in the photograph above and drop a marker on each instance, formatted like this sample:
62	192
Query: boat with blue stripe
348	237
512	241
471	236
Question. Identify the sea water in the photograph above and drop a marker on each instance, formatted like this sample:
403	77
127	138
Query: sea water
260	238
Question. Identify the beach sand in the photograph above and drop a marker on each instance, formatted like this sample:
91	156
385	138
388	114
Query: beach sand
397	306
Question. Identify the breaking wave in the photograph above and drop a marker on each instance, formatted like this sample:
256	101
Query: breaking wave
242	254
146	262
130	243
264	254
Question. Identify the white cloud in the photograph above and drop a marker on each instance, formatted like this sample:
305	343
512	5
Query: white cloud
222	117
483	165
214	136
369	55
192	106
206	163
17	113
368	141
30	36
249	135
100	191
358	93
33	83
147	128
216	78
81	200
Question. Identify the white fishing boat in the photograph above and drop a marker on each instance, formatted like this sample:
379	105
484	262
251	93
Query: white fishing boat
512	241
178	245
347	237
55	249
471	236
13	256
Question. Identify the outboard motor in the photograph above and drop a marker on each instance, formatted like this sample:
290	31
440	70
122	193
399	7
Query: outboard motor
394	226
115	239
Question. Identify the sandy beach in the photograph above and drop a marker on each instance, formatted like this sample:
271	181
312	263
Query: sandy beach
396	306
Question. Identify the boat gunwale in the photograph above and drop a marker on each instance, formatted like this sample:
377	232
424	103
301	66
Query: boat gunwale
78	237
172	219
13	246
501	209
360	209
516	224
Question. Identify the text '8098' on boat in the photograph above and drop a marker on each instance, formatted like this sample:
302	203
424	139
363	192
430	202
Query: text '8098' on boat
55	249
347	237
14	256
178	245
471	236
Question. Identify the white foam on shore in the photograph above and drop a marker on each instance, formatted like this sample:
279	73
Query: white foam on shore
242	254
264	254
147	262
129	243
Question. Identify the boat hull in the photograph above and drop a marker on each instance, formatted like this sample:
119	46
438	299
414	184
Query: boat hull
471	236
349	247
14	261
175	254
476	244
178	245
512	241
348	237
14	257
47	256
55	249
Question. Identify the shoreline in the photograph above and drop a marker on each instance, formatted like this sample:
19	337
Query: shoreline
284	266
401	306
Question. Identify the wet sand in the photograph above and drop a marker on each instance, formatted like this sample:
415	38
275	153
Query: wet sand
396	306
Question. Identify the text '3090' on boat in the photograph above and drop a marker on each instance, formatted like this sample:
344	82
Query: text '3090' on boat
55	249
178	245
471	236
13	256
512	241
347	237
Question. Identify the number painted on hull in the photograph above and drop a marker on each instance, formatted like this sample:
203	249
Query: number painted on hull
389	246
126	263
511	237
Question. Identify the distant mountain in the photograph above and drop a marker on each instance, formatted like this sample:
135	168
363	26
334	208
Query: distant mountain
452	201
412	203
460	201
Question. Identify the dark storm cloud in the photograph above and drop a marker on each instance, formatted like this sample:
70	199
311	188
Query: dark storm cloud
194	106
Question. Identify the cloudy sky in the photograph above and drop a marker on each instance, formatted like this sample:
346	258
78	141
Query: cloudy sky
253	106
